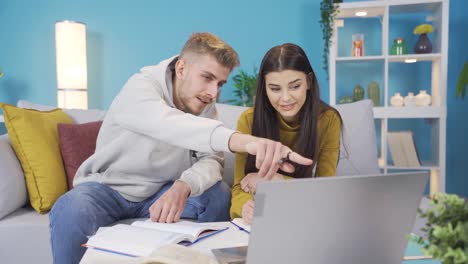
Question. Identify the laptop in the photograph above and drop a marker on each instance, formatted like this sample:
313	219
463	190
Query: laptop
355	219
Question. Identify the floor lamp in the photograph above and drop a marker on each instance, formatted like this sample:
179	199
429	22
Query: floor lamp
72	74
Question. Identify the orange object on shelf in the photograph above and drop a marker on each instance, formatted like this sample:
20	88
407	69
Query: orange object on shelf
358	45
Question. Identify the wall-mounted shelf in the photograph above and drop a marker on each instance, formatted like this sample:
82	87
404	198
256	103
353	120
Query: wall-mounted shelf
409	112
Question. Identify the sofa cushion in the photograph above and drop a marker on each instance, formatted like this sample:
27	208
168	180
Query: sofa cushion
34	138
358	148
25	237
77	142
13	193
229	114
78	116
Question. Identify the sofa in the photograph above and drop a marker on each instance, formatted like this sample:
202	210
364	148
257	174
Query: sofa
24	233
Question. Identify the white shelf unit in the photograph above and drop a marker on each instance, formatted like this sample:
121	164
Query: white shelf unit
436	13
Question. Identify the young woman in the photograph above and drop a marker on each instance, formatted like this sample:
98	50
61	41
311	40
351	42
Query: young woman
287	109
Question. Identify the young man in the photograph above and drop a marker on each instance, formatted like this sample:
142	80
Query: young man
158	153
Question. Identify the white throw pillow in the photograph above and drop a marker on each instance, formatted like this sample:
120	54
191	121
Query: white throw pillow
78	116
13	194
359	157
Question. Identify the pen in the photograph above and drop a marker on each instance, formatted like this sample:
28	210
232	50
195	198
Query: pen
110	251
240	228
252	194
209	235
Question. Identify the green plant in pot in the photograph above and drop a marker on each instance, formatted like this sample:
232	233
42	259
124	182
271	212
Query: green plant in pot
328	12
462	82
1	73
245	88
446	229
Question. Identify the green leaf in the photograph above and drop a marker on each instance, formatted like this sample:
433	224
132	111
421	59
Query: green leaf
246	85
446	228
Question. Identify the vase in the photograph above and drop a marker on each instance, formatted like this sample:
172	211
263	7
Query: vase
358	93
358	45
396	100
410	100
399	47
373	93
423	45
423	98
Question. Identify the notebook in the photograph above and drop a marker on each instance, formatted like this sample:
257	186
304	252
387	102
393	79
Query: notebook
142	237
357	219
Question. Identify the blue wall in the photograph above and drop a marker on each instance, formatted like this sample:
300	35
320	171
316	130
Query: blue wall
124	36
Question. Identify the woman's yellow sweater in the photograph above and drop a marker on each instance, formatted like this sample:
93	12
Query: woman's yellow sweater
329	131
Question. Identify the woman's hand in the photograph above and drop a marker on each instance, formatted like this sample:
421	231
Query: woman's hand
270	155
249	182
247	211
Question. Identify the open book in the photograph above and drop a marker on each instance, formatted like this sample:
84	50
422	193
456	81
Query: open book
143	237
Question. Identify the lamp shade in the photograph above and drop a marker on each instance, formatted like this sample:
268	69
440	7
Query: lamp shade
72	72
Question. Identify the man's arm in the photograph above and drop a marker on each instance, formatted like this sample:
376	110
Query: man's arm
204	173
194	181
142	108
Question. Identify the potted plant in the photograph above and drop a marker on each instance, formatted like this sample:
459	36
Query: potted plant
1	73
246	86
446	229
328	12
462	82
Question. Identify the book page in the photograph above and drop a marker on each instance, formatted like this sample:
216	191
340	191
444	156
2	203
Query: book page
175	254
132	240
192	229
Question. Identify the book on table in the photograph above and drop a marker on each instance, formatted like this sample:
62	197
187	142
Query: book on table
143	237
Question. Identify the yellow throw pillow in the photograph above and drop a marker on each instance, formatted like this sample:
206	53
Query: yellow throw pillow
34	138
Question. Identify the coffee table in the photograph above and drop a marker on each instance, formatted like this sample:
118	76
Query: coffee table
232	237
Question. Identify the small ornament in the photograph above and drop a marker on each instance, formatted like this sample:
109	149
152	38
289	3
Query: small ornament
345	100
410	100
399	47
358	93
373	93
423	98
358	45
396	100
423	45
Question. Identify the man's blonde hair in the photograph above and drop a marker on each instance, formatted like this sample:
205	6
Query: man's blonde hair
208	44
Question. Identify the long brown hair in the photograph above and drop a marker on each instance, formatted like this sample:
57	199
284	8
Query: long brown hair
265	122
